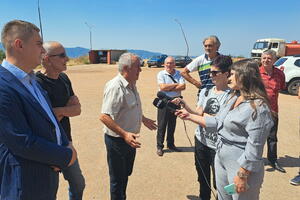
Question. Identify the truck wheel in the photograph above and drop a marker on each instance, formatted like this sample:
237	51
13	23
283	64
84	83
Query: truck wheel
293	86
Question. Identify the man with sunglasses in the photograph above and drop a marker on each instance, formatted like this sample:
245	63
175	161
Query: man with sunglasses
65	104
202	64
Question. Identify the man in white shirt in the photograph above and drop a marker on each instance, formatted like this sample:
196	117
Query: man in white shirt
122	116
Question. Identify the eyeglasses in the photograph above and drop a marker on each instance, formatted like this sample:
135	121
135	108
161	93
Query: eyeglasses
208	45
215	73
61	55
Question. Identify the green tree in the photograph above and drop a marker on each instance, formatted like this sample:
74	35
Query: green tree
2	55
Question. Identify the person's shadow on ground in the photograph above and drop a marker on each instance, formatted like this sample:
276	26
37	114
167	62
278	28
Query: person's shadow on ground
192	197
286	161
182	149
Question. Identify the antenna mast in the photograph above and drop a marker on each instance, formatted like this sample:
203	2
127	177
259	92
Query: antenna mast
187	45
41	28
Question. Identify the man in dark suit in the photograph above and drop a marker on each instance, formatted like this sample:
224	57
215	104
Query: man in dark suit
33	145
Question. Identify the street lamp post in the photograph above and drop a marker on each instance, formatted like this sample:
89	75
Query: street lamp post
90	29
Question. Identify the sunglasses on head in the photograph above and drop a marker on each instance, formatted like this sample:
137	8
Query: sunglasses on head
61	55
215	73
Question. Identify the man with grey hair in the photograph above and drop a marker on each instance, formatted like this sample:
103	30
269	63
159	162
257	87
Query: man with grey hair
33	146
122	117
201	64
171	83
65	104
274	81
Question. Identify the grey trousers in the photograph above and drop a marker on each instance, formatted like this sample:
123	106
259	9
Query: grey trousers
226	167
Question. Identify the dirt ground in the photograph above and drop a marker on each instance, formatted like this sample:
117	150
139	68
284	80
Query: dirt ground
173	176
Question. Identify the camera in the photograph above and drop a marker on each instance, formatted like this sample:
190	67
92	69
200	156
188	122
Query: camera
163	101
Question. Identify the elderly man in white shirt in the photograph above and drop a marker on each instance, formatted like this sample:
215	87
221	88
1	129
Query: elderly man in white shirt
122	116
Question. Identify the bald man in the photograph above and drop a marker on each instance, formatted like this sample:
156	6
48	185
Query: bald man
171	83
65	104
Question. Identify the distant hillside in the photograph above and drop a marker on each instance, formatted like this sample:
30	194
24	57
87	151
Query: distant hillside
76	52
143	54
79	51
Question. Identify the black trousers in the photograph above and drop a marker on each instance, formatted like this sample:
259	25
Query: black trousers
204	161
272	142
120	159
166	120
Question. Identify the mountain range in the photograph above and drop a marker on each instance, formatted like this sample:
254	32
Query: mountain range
76	52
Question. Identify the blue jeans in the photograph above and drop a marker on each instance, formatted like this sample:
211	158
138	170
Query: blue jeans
120	159
76	181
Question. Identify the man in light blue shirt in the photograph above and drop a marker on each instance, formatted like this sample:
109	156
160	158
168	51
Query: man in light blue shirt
171	83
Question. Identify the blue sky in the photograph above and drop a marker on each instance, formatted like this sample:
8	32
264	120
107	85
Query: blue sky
150	25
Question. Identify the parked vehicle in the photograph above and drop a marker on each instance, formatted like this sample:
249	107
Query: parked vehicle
142	62
278	45
290	65
182	61
157	60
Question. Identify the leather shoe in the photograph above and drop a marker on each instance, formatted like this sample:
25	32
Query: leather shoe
160	152
277	167
174	148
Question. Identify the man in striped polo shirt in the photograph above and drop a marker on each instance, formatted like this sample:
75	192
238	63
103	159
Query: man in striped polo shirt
202	64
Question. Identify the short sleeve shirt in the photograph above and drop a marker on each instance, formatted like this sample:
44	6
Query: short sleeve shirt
122	103
163	77
59	91
202	65
211	103
273	84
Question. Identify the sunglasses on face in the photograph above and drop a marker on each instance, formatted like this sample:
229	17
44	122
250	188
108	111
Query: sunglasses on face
215	73
61	55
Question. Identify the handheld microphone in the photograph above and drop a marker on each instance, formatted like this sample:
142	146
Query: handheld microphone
162	95
159	103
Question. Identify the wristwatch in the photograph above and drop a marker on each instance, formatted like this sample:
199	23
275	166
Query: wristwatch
242	174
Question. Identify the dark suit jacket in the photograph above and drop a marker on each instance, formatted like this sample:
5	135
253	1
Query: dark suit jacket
28	144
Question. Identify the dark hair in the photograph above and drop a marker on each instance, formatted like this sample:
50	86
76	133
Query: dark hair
249	80
222	62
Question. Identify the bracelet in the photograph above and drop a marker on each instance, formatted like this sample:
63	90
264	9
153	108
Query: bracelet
242	175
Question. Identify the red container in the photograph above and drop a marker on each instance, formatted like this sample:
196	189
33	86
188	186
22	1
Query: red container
94	57
292	48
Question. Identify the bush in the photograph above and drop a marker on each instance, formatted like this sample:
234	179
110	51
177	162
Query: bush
79	61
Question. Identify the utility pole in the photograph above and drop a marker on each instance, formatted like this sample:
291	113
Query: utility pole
90	29
40	19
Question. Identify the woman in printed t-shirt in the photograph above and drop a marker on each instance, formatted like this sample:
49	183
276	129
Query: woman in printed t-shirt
210	101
